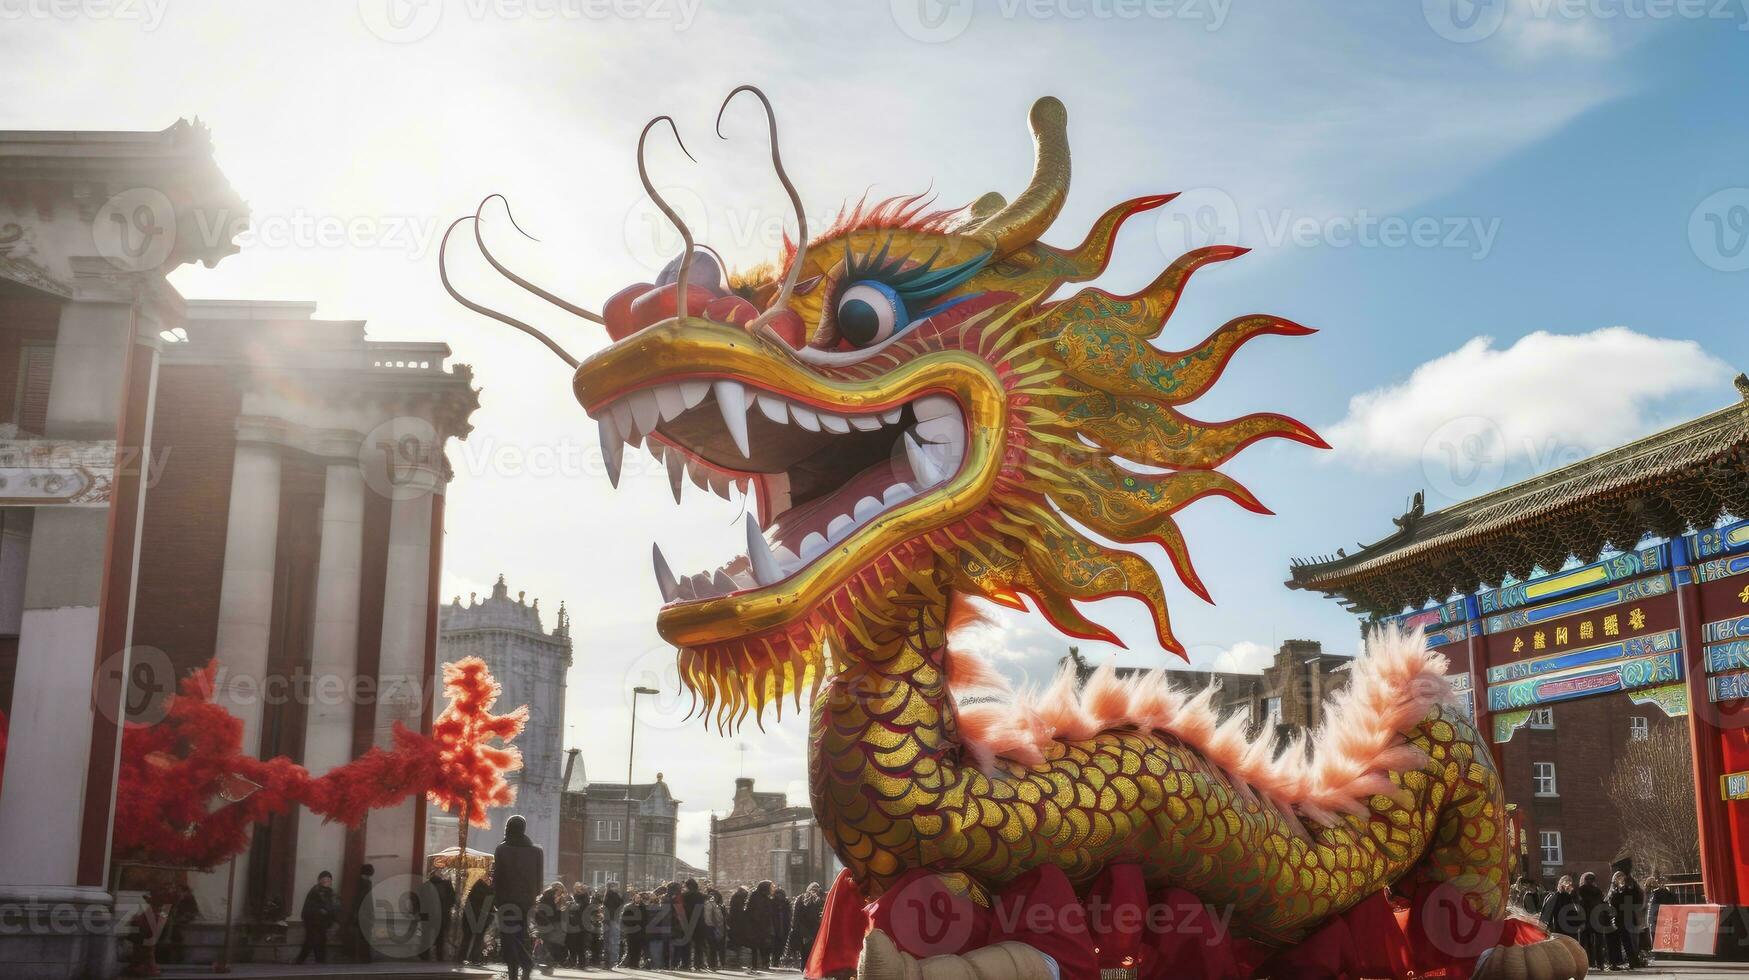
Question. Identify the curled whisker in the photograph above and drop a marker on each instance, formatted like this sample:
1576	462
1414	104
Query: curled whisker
443	274
680	280
789	280
550	297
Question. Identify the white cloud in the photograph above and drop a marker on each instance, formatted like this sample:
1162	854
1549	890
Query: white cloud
1243	657
1546	401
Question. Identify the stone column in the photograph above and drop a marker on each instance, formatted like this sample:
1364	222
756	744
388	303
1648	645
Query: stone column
333	656
54	709
245	610
393	835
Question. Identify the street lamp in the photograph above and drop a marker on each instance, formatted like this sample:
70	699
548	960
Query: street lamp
625	881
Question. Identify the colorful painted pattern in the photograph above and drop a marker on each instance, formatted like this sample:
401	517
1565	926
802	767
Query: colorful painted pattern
1726	629
1720	568
1626	675
1638	646
1602	599
1629	565
1718	541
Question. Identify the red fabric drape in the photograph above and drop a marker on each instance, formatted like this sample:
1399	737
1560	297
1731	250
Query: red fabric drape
1164	934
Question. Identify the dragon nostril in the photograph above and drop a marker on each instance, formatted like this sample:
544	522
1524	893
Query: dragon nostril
731	310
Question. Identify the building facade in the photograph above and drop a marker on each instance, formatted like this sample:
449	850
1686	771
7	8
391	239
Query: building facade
764	837
619	833
189	481
1585	610
530	664
1286	697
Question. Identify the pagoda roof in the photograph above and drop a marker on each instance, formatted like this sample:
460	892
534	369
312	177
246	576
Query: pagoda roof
1688	476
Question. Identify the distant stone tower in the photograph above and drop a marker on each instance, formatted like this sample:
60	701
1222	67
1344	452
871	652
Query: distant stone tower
531	664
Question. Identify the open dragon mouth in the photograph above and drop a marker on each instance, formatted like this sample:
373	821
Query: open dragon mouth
822	472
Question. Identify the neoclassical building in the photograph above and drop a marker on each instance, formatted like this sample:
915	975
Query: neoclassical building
183	481
530	662
765	837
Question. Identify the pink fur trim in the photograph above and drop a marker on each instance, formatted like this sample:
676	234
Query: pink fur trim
1392	687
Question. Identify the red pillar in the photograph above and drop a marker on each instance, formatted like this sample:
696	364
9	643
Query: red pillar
115	614
1718	862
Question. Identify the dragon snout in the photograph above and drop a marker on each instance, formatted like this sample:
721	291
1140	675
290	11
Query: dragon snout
641	304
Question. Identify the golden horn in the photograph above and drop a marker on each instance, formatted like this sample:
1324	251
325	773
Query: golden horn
1022	222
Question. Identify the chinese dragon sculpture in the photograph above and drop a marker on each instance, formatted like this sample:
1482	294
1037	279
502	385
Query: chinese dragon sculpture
921	422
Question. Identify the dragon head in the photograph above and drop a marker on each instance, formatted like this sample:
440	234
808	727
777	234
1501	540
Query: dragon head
916	417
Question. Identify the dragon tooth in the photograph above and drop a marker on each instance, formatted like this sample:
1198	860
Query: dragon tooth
891	415
645	412
622	419
787	560
865	423
612	448
676	469
670	401
834	423
732	402
719	484
812	546
664	575
807	418
773	408
934	407
693	392
840	526
700	475
896	493
923	467
765	567
722	582
942	432
866	508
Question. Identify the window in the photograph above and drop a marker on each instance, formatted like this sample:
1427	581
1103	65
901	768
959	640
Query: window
657	844
608	830
1551	846
1639	727
597	878
1544	775
1542	718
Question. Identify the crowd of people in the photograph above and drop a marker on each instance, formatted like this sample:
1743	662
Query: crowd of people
508	916
1614	925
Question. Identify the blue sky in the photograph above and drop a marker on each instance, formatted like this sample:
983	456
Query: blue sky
1565	181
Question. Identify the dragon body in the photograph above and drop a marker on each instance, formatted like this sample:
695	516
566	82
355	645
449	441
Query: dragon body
922	422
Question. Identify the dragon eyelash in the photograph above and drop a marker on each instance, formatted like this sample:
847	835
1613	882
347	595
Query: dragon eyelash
918	282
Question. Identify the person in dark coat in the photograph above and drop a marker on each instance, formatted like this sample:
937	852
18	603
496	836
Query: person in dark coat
1656	895
780	913
1528	897
658	928
631	927
692	935
321	910
804	924
761	924
476	919
739	937
1599	921
434	924
611	928
1561	912
1629	904
357	929
516	866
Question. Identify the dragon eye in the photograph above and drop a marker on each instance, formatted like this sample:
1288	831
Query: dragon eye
870	312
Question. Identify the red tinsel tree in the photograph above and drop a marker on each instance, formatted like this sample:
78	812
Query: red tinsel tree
470	769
